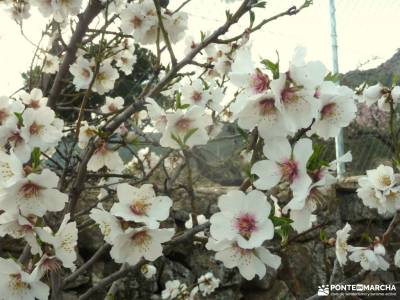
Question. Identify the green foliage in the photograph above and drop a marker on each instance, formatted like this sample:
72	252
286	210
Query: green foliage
334	77
273	67
35	157
316	162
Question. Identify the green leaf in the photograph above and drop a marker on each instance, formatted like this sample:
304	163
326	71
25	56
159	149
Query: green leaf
395	79
189	134
334	77
252	18
280	221
283	232
273	67
20	119
260	4
322	235
35	156
177	140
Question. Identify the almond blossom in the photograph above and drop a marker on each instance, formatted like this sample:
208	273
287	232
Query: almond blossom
16	284
337	110
86	132
243	218
208	283
63	242
157	115
7	109
370	259
283	164
250	262
186	128
105	157
135	243
50	65
35	194
40	128
19	227
11	135
141	205
261	111
125	61
372	94
60	10
105	78
82	72
342	248
11	169
109	225
112	105
34	99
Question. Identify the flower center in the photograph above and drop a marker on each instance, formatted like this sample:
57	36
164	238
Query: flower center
16	284
141	237
101	77
289	170
136	21
112	107
246	224
183	124
139	207
15	138
35	128
259	82
328	110
289	95
30	190
267	106
85	73
196	96
385	180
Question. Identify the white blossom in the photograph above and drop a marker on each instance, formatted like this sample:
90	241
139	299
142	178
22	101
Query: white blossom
370	259
34	194
34	99
83	73
141	205
109	225
50	65
208	283
135	243
112	105
105	78
64	241
16	284
243	218
342	248
105	157
189	128
283	164
250	262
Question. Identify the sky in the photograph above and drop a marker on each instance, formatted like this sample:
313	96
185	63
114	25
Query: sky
365	32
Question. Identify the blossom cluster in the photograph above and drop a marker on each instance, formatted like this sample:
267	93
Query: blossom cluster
380	190
132	224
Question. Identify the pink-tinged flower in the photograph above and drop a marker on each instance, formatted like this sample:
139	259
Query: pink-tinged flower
34	99
141	205
35	194
40	129
261	111
112	105
337	110
157	115
135	243
297	104
109	225
19	227
250	262
243	218
283	164
16	284
11	135
63	242
188	127
245	75
105	78
104	157
7	109
82	70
